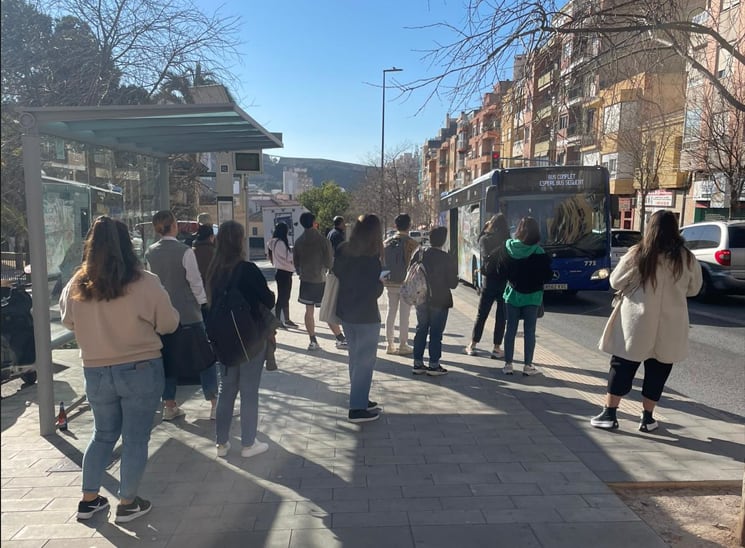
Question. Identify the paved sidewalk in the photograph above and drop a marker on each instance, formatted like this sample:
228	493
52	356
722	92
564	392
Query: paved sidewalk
470	459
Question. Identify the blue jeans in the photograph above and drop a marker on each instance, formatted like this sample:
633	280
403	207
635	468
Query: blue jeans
123	399
432	320
363	348
529	315
245	378
208	379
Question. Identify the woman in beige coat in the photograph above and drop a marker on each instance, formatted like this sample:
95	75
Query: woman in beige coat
650	323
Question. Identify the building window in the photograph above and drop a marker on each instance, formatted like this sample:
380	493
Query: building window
563	122
611	118
254	231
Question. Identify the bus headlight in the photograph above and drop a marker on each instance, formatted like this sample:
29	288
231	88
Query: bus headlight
601	274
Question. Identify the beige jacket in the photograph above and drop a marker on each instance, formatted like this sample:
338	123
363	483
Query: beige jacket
122	330
651	323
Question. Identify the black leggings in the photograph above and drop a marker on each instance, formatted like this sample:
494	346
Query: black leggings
622	372
284	287
491	293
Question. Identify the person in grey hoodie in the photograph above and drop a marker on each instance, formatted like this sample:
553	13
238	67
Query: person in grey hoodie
526	267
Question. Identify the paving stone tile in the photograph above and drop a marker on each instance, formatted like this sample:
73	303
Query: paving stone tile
595	515
54	531
446	517
494	502
406	505
233	539
478	536
522	515
600	535
353	537
447	490
372	492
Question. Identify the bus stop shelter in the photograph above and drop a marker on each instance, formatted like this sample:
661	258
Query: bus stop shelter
159	131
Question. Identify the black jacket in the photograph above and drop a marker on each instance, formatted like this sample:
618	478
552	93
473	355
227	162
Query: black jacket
359	286
251	283
442	276
527	274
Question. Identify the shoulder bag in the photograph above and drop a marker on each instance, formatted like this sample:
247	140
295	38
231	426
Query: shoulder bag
187	351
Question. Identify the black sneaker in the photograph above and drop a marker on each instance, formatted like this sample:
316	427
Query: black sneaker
648	424
362	415
290	323
419	369
127	512
606	420
436	371
87	509
371	405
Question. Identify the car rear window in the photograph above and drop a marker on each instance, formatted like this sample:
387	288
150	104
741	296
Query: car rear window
626	239
737	236
702	237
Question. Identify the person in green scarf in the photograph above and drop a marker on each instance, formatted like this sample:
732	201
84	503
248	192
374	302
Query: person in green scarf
526	267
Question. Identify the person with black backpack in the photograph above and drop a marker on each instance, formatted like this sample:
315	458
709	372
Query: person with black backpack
228	271
492	237
397	253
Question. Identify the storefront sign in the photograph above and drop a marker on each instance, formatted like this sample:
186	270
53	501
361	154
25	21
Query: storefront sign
624	204
659	198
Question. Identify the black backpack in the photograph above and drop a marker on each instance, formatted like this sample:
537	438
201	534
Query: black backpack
395	260
237	330
17	327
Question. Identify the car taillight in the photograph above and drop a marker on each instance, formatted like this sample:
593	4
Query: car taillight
723	257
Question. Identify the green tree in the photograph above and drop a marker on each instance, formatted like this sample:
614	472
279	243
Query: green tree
325	202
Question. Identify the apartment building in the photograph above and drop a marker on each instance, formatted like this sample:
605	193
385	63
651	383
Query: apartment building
714	135
578	101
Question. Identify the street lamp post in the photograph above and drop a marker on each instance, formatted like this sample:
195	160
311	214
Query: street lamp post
382	153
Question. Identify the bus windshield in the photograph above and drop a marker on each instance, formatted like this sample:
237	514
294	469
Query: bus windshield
572	224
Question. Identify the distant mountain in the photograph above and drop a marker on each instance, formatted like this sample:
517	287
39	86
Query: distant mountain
346	175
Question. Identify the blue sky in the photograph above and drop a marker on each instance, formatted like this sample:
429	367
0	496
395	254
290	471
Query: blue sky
313	71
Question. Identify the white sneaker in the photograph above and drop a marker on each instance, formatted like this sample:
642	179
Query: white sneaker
470	349
170	413
497	353
507	369
314	346
529	370
256	449
222	449
343	345
405	350
392	350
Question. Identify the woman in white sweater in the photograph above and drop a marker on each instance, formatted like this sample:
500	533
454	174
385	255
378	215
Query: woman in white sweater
118	312
650	323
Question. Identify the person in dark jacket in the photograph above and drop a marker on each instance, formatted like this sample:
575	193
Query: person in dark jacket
526	267
495	234
358	268
204	248
337	234
442	276
230	260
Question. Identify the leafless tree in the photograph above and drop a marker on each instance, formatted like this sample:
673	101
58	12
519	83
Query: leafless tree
646	128
494	31
714	141
151	40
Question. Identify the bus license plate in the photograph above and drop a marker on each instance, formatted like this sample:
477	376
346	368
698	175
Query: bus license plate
555	287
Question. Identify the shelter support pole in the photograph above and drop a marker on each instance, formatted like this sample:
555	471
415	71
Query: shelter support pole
164	188
39	275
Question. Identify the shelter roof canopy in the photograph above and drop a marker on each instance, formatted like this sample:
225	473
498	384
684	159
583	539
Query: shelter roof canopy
155	130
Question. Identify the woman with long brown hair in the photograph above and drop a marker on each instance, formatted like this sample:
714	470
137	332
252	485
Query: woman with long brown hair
357	266
650	323
229	266
492	237
118	312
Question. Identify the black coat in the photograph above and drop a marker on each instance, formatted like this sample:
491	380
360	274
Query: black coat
442	276
359	286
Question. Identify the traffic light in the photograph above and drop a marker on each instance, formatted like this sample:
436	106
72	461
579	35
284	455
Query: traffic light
494	160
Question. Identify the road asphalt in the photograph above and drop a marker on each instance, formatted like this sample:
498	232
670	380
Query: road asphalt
474	458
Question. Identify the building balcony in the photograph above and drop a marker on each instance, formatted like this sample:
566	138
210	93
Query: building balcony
545	79
541	148
543	112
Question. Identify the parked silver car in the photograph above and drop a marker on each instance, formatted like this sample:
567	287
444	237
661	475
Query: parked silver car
719	247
